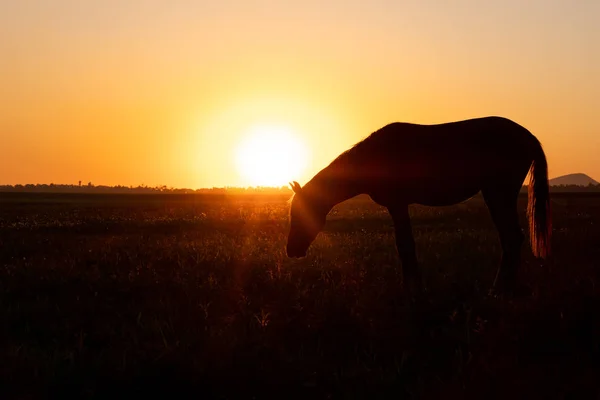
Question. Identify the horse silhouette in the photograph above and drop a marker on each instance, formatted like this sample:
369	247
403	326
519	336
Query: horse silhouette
435	165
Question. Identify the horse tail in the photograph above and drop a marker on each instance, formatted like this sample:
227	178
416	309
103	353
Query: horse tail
538	207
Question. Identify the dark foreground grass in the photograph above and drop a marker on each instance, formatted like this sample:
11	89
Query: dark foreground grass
121	295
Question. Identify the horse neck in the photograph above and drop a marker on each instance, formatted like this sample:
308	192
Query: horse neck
333	188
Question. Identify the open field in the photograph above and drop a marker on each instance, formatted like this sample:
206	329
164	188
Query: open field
178	294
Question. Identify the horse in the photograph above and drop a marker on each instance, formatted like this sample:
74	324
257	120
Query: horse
435	165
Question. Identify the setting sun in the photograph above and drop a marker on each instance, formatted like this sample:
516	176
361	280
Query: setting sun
270	156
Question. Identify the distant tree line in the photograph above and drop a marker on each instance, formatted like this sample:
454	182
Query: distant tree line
570	188
91	188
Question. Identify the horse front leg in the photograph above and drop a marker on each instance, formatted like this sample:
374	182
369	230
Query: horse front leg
405	243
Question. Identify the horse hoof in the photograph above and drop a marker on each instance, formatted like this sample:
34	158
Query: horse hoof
510	291
414	292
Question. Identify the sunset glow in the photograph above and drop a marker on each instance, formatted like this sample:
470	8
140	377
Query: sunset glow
270	156
154	93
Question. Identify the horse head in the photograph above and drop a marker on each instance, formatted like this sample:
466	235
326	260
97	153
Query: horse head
307	218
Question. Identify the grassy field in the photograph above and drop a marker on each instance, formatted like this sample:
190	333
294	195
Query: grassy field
121	295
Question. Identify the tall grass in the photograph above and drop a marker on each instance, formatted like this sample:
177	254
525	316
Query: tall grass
191	294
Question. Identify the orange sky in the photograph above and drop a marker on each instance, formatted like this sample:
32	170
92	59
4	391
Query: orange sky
153	92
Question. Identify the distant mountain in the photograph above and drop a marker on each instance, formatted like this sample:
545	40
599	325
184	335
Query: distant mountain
573	179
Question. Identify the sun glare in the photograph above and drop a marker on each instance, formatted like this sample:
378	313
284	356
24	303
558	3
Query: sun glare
270	156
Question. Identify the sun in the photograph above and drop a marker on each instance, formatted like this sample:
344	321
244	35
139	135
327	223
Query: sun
270	156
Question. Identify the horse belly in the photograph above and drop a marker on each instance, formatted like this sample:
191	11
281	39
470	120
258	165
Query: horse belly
444	187
443	196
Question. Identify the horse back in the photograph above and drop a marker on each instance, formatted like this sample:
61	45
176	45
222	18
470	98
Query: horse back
472	141
445	163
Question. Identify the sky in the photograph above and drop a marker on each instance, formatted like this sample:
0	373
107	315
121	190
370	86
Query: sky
161	93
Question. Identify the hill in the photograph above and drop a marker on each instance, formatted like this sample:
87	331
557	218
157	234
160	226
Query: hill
573	179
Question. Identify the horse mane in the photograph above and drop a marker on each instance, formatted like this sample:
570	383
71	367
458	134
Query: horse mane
342	159
356	146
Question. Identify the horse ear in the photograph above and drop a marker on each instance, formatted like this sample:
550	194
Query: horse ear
296	187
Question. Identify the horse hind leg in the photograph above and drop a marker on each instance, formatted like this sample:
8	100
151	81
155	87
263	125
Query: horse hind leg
502	204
